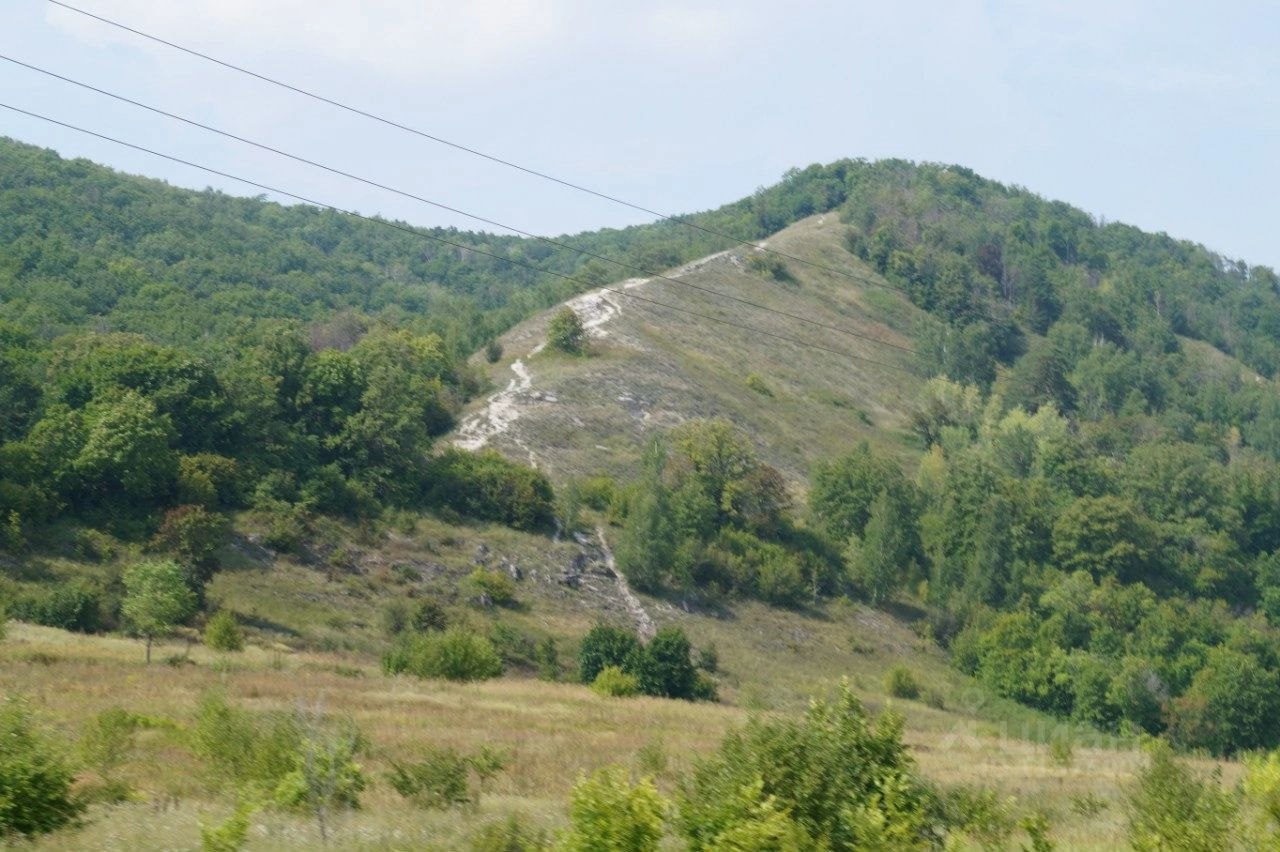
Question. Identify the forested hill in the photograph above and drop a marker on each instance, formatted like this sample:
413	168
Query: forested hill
1085	497
1001	266
83	246
1084	491
161	347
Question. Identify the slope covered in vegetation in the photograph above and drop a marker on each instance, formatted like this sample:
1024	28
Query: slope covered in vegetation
1091	491
1070	489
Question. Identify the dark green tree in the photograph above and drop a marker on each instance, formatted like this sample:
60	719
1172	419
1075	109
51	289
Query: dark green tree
565	332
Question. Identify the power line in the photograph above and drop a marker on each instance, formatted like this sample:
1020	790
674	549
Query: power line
389	122
304	199
478	218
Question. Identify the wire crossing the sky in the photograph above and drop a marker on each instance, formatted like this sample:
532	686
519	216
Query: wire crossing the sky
439	205
408	230
389	122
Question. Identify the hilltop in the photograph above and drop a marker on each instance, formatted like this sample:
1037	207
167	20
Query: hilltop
649	368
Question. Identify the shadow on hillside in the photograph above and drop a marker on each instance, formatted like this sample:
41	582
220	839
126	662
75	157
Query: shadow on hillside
266	625
904	611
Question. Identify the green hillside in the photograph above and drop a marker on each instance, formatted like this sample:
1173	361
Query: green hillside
1091	486
83	247
1022	487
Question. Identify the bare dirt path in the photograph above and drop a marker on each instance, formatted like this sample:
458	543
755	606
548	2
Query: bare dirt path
596	308
644	622
499	412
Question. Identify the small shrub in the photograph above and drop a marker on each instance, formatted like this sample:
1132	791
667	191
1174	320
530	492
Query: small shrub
107	742
598	492
834	778
1261	788
35	781
769	265
231	834
757	384
857	646
708	659
516	648
565	332
509	835
1171	808
605	645
493	351
243	751
1036	825
298	761
395	617
487	486
489	587
664	668
613	682
982	815
705	688
438	780
547	656
652	759
1087	805
608	812
193	534
223	632
901	682
324	776
67	606
441	779
425	615
1061	751
455	654
428	615
488	762
400	572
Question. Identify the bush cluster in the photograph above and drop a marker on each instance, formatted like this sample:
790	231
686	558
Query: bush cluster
69	606
453	654
662	668
487	486
35	779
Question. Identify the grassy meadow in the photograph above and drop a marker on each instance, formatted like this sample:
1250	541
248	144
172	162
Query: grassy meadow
314	637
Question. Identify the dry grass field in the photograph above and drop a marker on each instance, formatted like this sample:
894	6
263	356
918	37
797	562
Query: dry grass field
770	662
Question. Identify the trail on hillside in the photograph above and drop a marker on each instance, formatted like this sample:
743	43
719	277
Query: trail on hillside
644	622
596	309
498	413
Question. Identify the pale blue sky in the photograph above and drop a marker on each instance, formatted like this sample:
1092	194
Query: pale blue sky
1165	115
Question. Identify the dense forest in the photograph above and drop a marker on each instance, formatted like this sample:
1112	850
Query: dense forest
1097	514
1092	528
85	248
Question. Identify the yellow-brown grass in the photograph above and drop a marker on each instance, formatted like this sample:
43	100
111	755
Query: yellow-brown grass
555	731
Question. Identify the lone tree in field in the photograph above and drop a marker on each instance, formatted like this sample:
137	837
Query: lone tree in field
156	598
566	333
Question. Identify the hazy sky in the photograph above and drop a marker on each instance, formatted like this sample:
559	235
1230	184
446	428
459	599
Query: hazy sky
1165	115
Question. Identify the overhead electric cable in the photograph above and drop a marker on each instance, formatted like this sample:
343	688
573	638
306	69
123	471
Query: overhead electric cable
441	206
390	122
462	246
